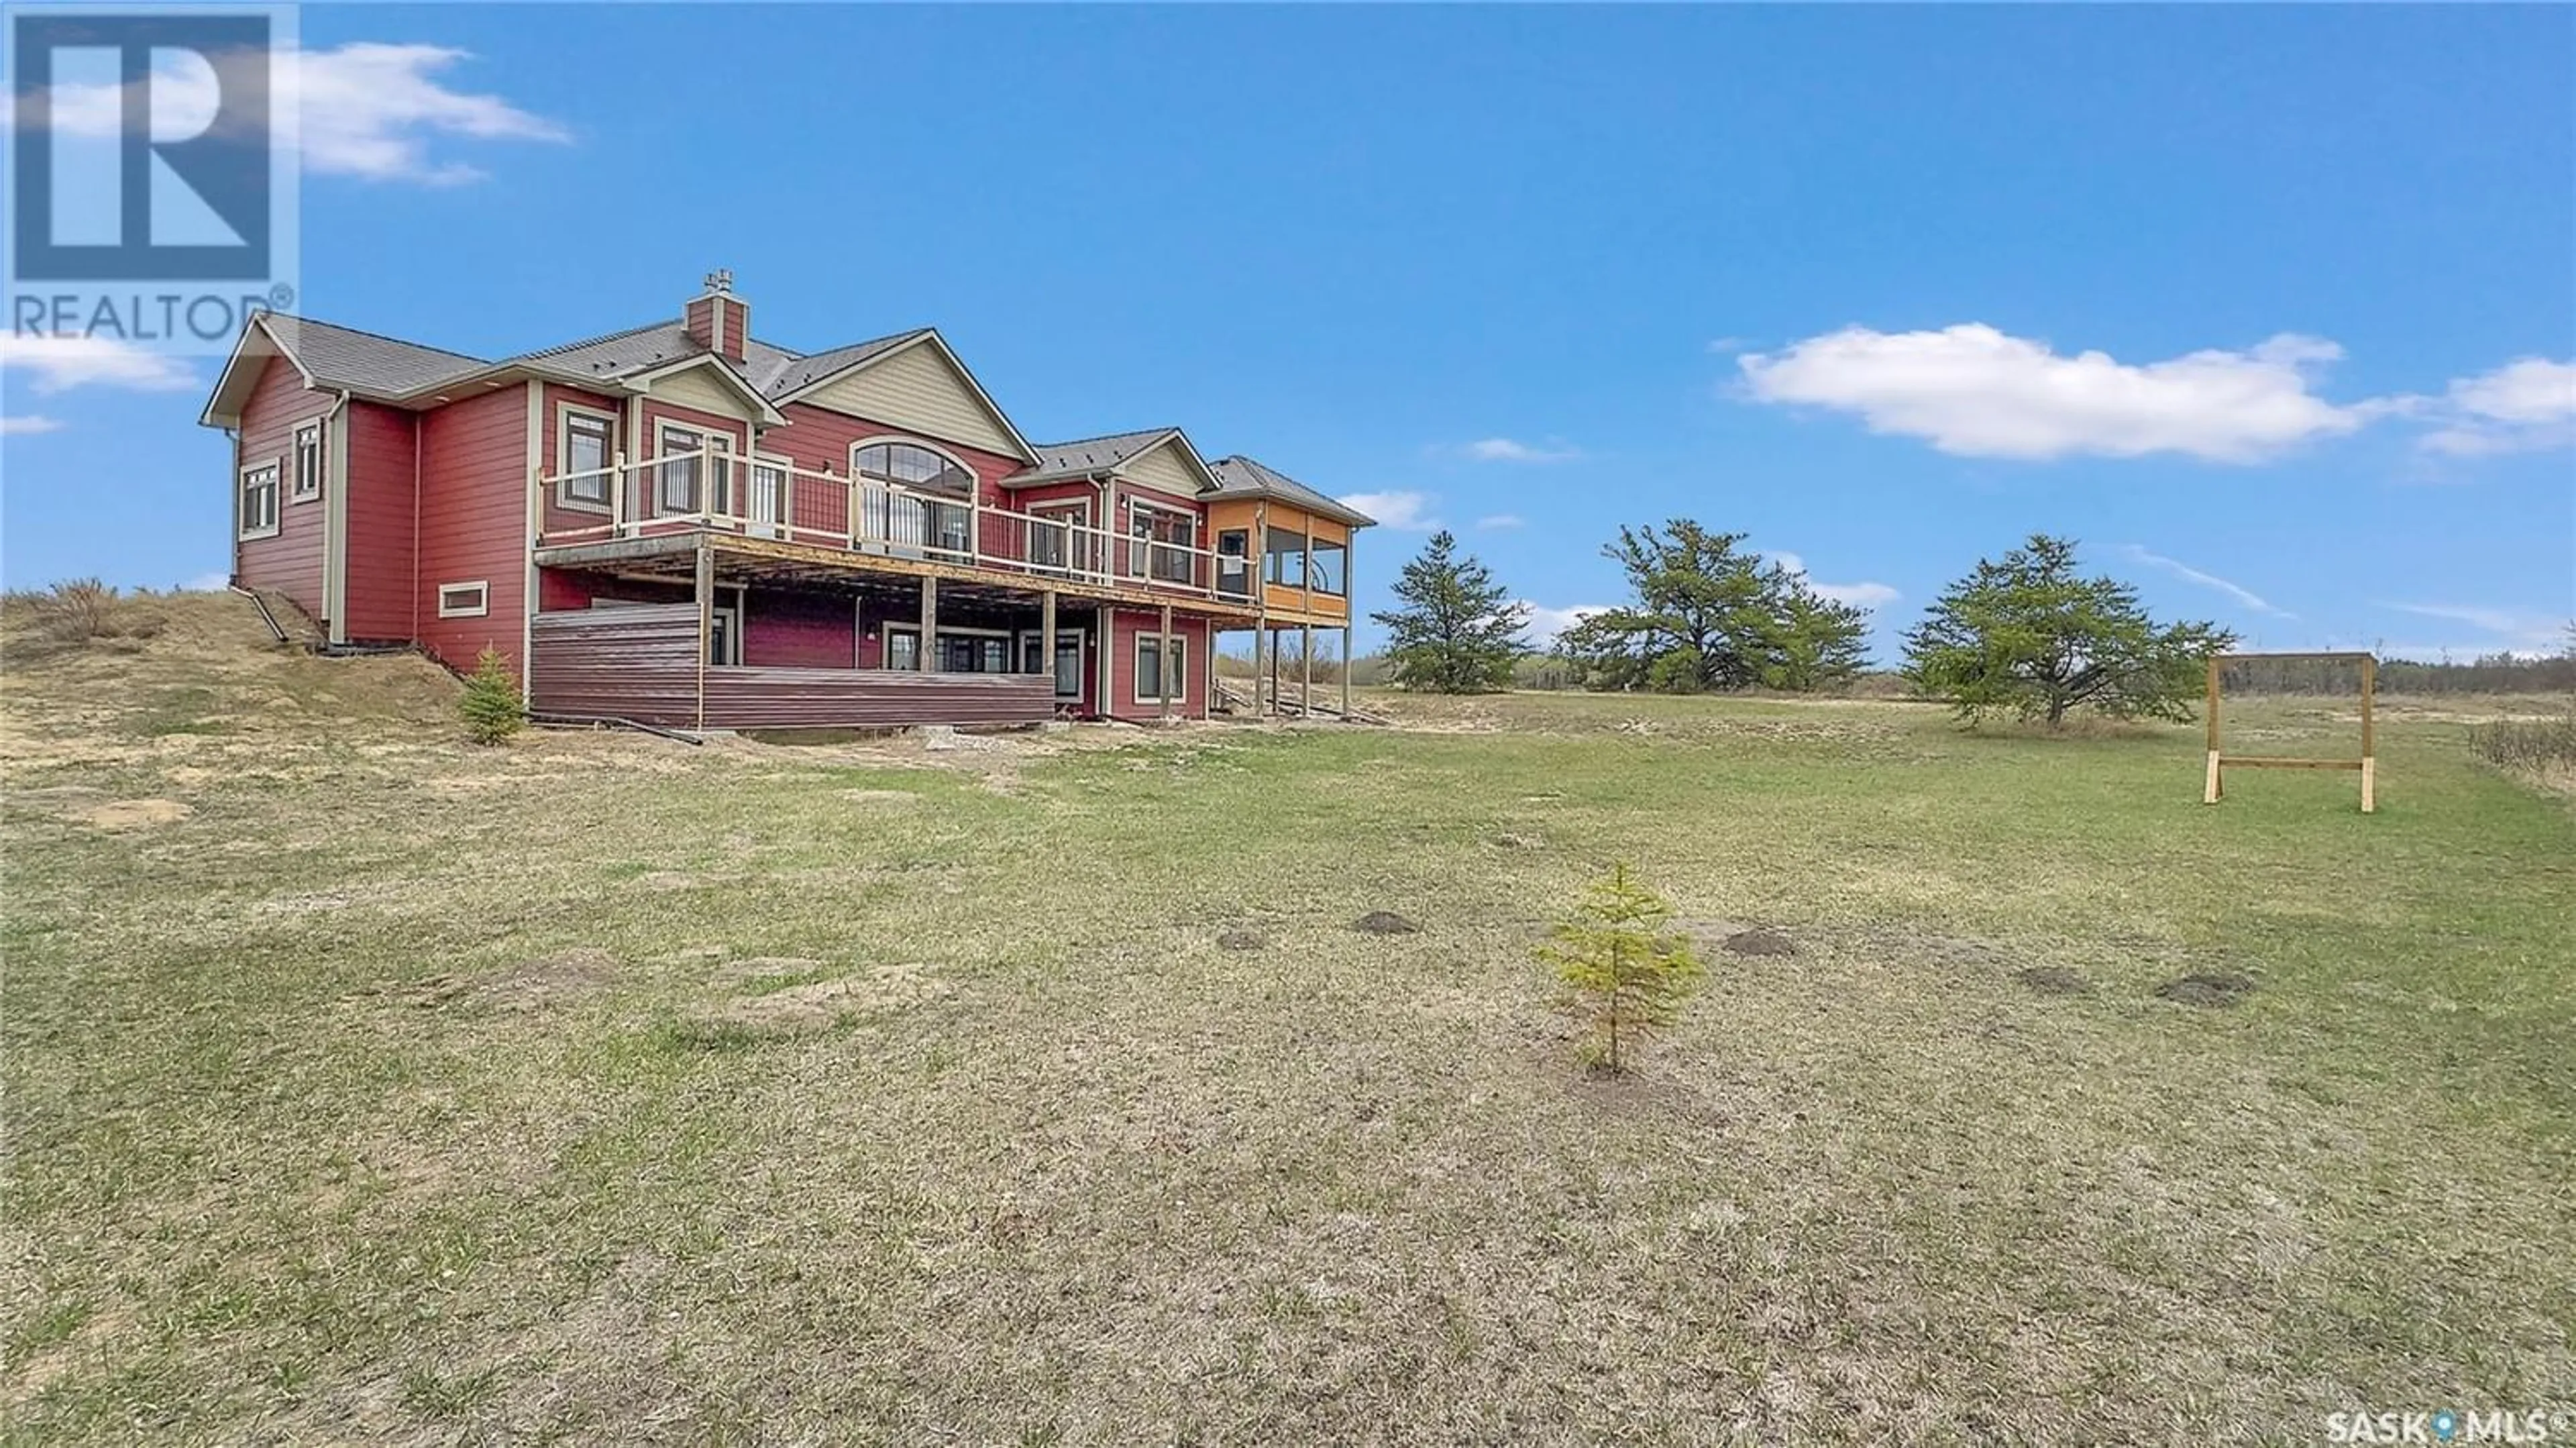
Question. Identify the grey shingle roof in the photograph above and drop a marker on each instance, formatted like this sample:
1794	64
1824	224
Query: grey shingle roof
363	361
1241	477
1093	454
794	372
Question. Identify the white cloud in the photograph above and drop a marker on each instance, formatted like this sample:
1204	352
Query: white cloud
24	425
1973	391
1509	450
2523	406
365	109
1545	624
1723	345
208	583
1501	520
59	363
2528	627
1410	512
2179	569
1858	595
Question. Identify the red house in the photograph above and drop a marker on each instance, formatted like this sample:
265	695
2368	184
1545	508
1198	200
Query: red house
680	524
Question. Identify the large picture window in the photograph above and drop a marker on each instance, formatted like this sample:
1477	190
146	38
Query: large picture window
889	513
1161	677
1285	558
1328	567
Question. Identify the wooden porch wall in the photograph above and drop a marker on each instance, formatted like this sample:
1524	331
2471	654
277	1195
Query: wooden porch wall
640	663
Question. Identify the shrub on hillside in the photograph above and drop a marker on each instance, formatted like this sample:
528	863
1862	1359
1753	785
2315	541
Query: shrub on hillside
1628	972
491	707
76	610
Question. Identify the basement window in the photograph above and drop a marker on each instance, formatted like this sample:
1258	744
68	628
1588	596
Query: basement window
464	600
1152	686
259	501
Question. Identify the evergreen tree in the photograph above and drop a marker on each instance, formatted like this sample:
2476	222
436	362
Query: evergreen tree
2030	635
491	707
1706	615
1627	971
1456	633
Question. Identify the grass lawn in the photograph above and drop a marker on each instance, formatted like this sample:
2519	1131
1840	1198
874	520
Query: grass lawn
363	1085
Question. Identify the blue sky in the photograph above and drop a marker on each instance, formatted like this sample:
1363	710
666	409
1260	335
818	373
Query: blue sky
2274	308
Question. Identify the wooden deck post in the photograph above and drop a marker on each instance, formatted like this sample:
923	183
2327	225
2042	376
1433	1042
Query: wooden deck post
1306	663
1346	669
2369	739
706	590
1170	662
1046	637
2211	787
929	624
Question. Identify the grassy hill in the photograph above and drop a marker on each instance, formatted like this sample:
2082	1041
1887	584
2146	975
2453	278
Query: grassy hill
363	1085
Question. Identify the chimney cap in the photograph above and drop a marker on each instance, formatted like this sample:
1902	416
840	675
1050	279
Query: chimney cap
720	280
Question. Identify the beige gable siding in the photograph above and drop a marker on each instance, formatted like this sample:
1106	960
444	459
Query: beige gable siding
695	388
916	389
1163	468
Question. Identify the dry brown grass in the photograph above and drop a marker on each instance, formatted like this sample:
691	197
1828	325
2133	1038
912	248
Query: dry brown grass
601	1089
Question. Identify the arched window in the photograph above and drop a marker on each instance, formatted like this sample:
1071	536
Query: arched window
893	517
913	466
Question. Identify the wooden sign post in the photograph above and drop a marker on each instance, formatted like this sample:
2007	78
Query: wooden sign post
2214	786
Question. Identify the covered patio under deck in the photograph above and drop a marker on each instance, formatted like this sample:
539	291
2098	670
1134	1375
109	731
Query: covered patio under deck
716	631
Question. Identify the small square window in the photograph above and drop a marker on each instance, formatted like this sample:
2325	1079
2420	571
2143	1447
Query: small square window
464	600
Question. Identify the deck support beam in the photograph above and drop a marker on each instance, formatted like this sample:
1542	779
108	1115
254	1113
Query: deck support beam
1170	662
1046	636
927	663
1346	673
1306	659
706	595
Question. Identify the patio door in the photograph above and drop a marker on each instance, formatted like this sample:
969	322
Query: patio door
766	505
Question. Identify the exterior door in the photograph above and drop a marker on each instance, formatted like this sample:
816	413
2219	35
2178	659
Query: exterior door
767	505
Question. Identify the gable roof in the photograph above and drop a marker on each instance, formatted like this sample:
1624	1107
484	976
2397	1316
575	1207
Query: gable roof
384	369
1241	477
843	363
1086	456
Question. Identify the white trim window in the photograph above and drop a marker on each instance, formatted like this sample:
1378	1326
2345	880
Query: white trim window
1068	660
1160	543
1054	542
678	492
769	502
1150	682
585	449
904	509
470	599
308	461
258	501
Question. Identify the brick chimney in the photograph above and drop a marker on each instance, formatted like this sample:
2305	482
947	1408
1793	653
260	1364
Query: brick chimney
717	319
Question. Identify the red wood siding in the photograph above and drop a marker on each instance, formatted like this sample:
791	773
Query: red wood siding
799	630
383	558
641	663
474	522
291	561
1134	624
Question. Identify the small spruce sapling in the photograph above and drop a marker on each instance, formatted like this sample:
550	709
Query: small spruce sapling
1628	972
491	706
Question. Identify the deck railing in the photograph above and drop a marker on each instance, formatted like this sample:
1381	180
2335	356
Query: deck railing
760	497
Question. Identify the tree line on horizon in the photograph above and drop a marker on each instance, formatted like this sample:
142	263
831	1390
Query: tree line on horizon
2027	634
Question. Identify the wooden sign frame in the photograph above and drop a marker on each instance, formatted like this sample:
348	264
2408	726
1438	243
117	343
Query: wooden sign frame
2215	787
